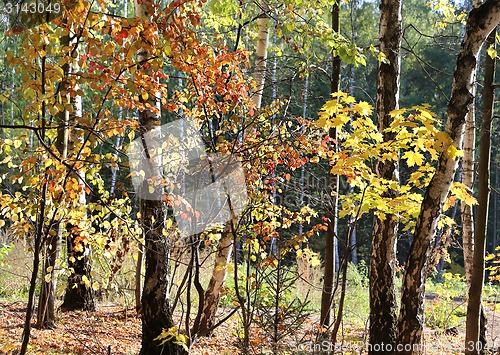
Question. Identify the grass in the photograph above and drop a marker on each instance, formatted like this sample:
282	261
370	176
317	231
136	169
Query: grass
15	271
445	306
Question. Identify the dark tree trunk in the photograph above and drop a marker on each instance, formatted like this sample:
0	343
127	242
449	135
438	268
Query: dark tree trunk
475	311
156	311
138	280
79	294
331	233
383	262
46	301
481	22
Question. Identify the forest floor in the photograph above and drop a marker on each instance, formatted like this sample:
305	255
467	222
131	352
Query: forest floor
120	330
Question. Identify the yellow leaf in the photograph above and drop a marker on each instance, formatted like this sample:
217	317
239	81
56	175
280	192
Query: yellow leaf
315	261
454	152
364	108
492	52
85	281
413	158
395	113
314	159
321	122
489	257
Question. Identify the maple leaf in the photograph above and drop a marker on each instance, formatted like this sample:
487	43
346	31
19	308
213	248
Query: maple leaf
363	108
413	158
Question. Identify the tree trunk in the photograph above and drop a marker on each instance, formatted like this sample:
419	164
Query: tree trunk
224	249
138	279
261	53
79	294
46	314
46	299
383	306
352	82
472	337
156	309
212	295
468	179
332	209
411	319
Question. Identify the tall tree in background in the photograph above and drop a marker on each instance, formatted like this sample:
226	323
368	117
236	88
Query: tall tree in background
225	246
475	312
261	53
79	293
468	179
352	82
46	299
332	208
383	307
480	23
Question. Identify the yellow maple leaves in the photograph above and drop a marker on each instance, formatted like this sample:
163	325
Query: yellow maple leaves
413	158
417	141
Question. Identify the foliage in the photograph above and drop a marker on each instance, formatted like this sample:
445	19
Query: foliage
5	249
418	143
494	267
173	334
448	309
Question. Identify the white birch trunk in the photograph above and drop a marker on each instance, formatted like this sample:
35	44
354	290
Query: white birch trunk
411	320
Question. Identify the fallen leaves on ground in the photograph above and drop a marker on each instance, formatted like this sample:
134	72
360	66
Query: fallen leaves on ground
119	330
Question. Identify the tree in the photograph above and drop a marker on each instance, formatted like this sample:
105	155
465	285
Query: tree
46	299
475	312
468	170
332	207
79	292
480	23
156	309
383	307
225	247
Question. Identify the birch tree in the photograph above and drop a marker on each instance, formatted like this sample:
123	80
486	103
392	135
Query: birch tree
225	247
383	307
468	180
476	318
480	23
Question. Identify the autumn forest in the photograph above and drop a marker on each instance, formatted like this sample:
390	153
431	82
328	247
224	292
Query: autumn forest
250	176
